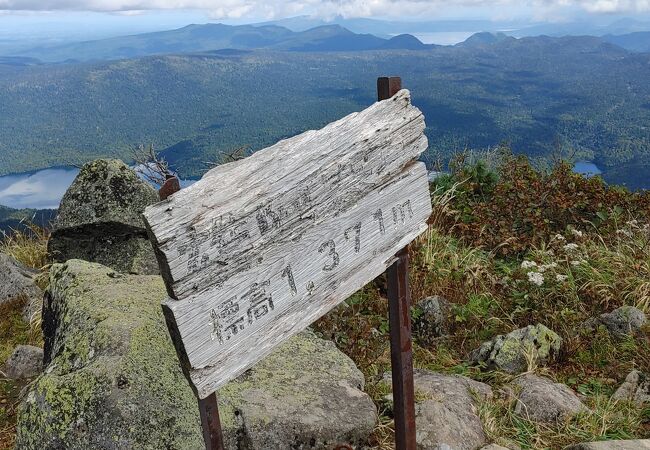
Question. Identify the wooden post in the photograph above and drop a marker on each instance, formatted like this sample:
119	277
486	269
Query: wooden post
399	298
208	407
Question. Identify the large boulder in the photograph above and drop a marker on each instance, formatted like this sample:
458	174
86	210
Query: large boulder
100	219
307	394
26	361
542	400
446	411
113	379
17	283
514	351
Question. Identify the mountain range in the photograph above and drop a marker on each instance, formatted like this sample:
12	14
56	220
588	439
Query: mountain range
208	37
322	38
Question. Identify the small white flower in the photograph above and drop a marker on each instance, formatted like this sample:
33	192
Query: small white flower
559	237
561	278
528	264
577	263
627	233
546	267
571	247
536	278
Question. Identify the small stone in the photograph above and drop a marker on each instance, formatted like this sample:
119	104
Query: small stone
494	447
511	352
542	400
434	320
623	321
26	361
639	444
17	283
447	416
635	388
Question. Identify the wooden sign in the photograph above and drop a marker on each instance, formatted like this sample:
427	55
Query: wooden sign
260	248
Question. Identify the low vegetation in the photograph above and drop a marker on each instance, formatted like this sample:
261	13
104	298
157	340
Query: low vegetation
30	248
507	246
511	246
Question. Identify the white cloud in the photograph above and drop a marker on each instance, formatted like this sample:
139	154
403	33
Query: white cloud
347	8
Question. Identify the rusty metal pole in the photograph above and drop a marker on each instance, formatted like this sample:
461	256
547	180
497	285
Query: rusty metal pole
399	299
210	423
208	407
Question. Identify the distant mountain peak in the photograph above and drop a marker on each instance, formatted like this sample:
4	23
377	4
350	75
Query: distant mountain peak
406	42
485	38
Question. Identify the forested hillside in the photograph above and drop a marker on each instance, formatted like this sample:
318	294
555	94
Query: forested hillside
579	97
20	219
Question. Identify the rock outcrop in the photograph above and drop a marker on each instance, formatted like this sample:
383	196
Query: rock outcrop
17	283
113	379
542	400
100	220
446	412
26	361
514	351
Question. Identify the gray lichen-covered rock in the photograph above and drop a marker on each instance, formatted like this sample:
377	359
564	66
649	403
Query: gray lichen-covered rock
638	444
17	283
100	220
623	321
26	361
542	400
305	395
447	412
514	351
636	388
433	322
114	381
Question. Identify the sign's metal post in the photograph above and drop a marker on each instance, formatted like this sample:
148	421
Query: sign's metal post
399	298
208	407
210	423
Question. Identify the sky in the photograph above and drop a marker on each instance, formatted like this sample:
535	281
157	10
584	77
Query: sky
273	9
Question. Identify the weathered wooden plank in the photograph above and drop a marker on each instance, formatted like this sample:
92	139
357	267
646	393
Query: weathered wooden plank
228	328
286	187
260	248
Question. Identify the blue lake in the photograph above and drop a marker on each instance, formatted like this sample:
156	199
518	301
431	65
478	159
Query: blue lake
42	189
587	168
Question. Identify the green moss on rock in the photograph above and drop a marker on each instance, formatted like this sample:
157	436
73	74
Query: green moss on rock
114	379
514	351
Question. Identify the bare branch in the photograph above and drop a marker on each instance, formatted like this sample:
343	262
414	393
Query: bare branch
150	165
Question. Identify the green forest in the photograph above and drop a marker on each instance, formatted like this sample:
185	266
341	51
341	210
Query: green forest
573	98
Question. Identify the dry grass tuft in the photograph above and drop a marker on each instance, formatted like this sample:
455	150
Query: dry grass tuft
28	246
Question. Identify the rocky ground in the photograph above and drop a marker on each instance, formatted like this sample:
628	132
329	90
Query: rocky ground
530	330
